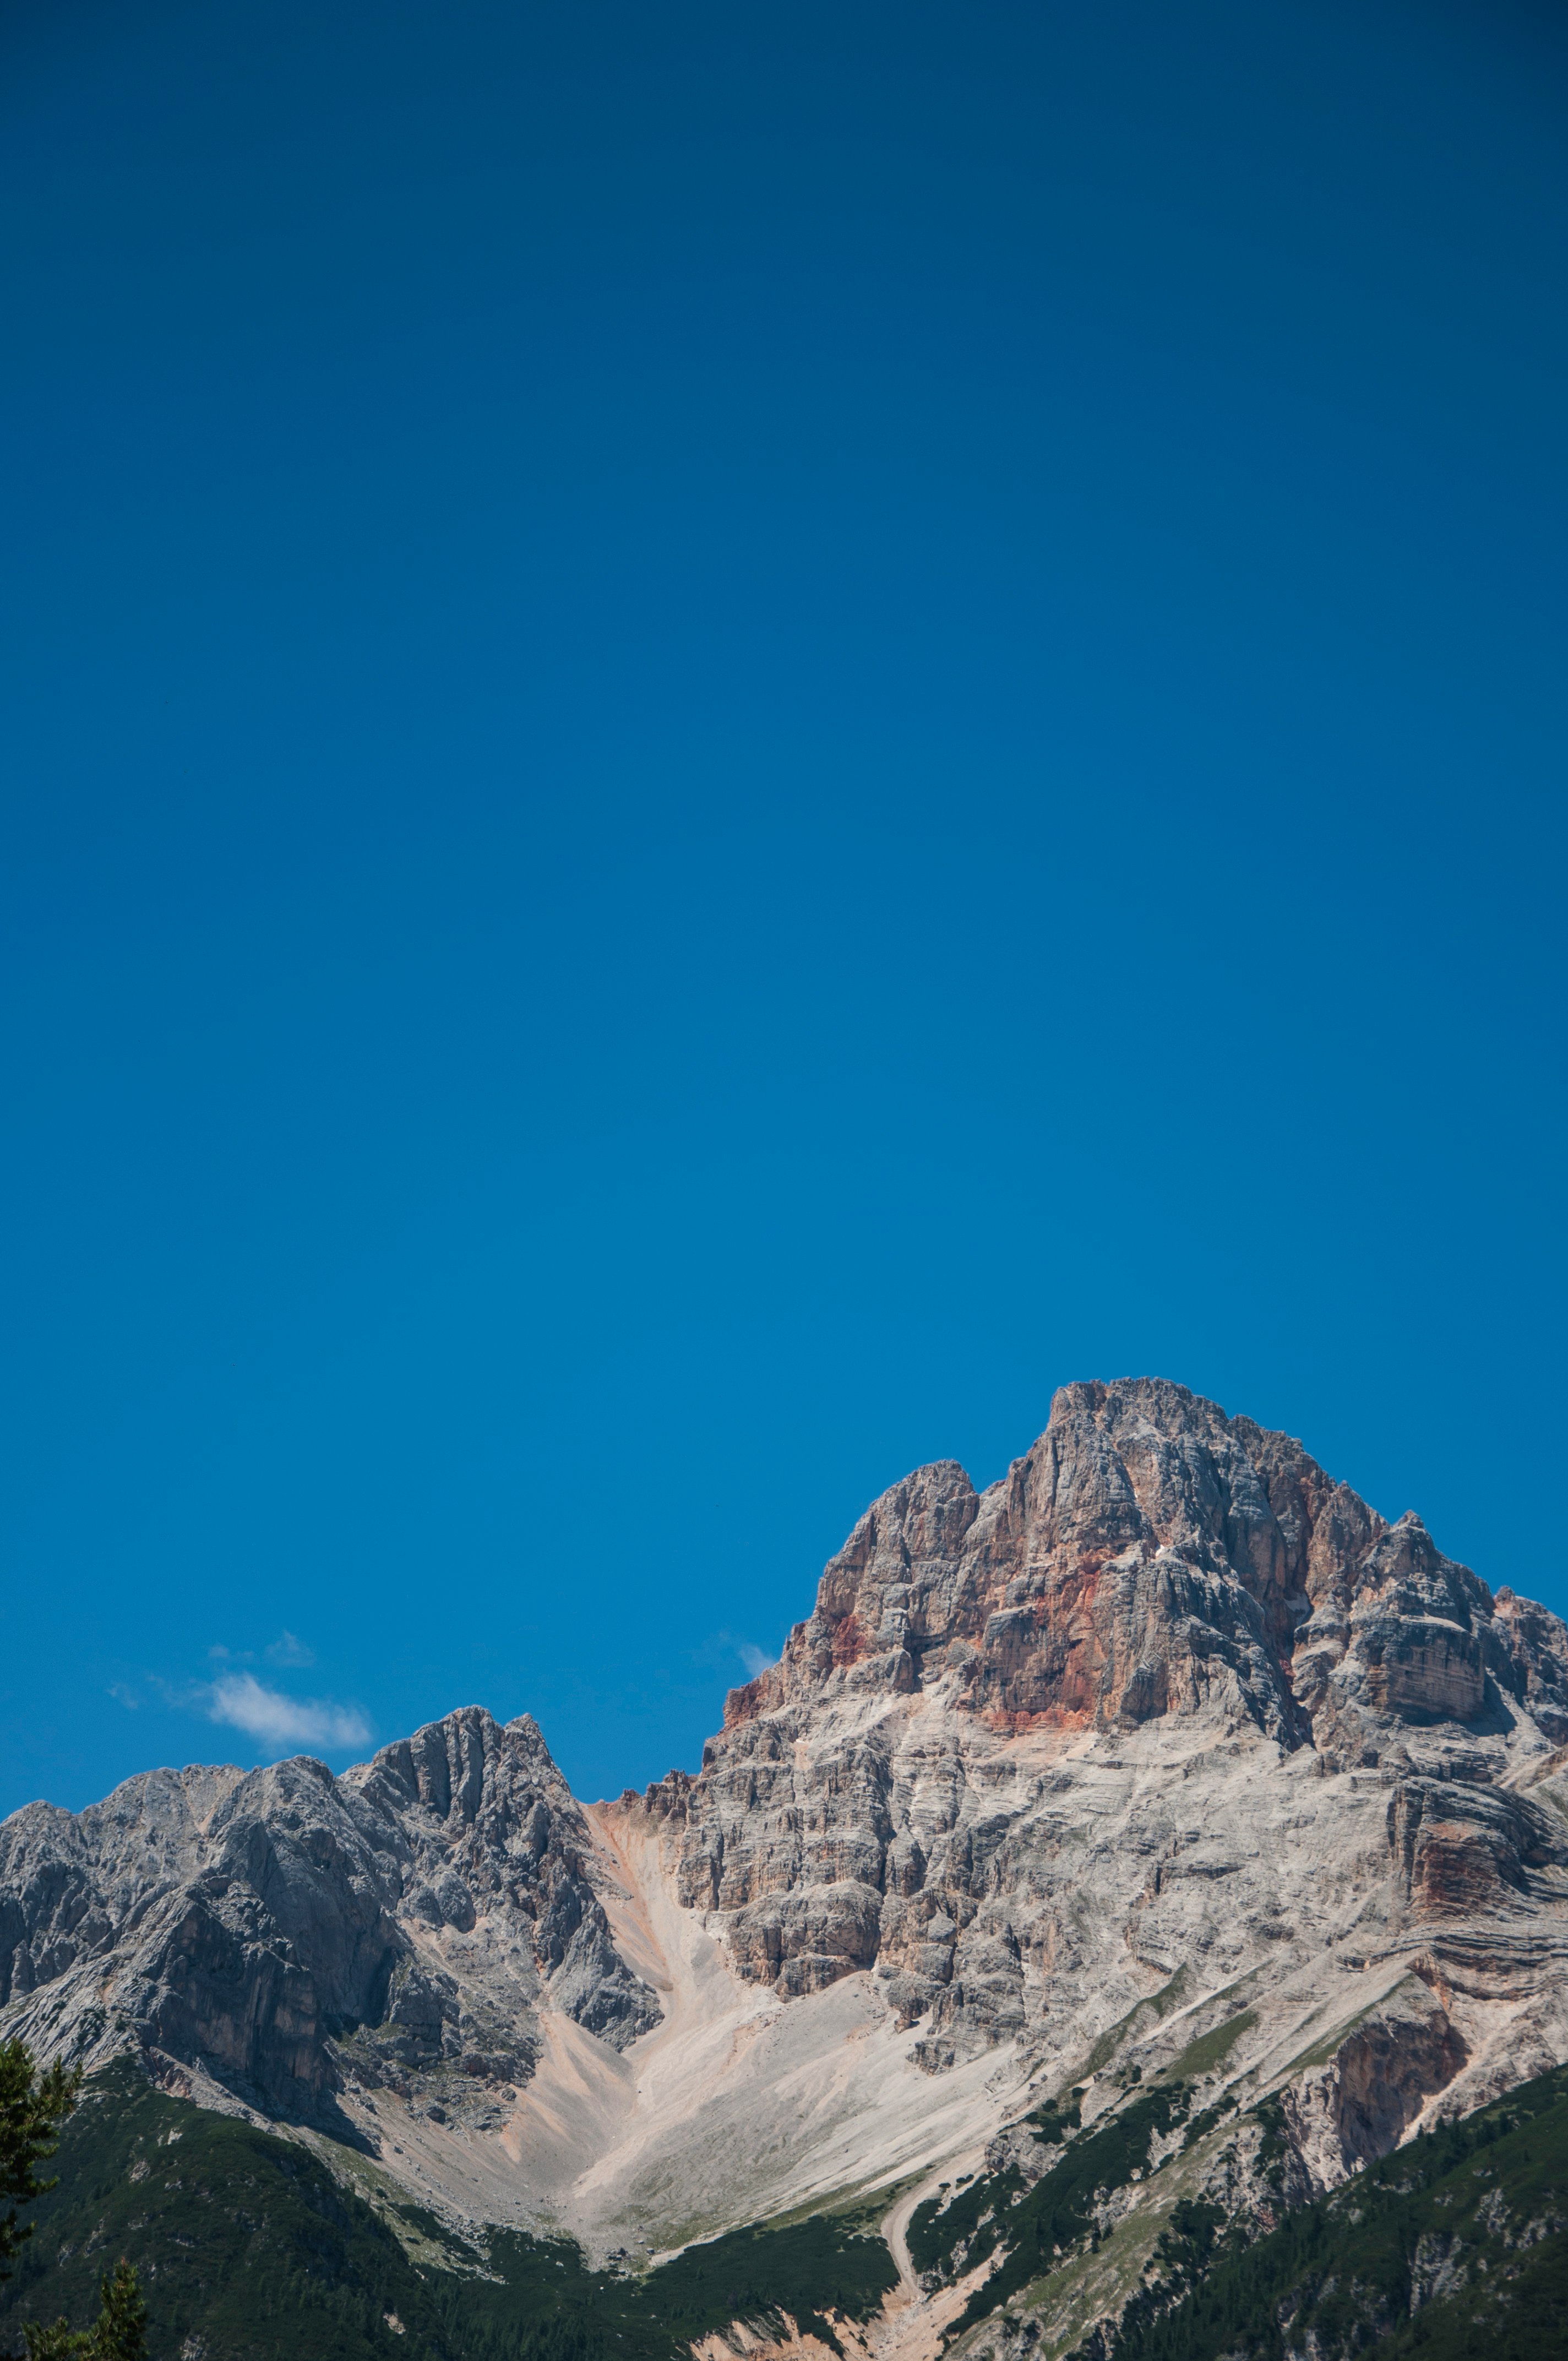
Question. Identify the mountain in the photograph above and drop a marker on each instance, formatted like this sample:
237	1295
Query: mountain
1161	1804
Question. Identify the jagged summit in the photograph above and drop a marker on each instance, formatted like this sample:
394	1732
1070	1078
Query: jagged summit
1149	1556
1163	1715
259	1933
1149	1567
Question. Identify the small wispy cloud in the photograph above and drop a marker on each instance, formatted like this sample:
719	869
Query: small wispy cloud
288	1650
719	1650
124	1695
240	1702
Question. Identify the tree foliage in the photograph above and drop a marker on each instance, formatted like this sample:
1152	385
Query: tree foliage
118	2335
32	2108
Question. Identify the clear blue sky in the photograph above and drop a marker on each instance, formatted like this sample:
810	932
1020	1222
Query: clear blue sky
731	733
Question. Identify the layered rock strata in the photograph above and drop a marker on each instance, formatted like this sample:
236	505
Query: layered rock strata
1164	1753
1149	1565
272	1934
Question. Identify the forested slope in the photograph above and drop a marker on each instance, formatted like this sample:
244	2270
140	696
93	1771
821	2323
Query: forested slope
251	2249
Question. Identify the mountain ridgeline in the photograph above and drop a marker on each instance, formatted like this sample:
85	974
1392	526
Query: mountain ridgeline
1124	1869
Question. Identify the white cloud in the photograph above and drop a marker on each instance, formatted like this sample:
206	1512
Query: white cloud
756	1660
287	1649
240	1701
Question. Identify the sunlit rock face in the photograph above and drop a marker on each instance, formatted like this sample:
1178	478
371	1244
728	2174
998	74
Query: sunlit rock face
268	1932
1150	1566
1151	1556
1164	1726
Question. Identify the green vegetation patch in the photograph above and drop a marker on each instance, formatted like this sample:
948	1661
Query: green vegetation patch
549	2306
1210	2049
1455	2245
1035	2227
1157	2004
244	2242
947	2240
1054	2122
249	2247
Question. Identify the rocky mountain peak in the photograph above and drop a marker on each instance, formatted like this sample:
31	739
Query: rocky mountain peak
1164	1714
1150	1555
263	1936
463	1771
1152	1582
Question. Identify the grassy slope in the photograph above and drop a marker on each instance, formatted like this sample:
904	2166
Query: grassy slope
250	2245
1033	2227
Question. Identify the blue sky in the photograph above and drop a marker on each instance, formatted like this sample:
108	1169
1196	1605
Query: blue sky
732	733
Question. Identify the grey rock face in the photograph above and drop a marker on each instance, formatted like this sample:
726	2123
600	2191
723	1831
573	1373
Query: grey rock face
1057	1770
1357	2104
273	1933
1150	1555
1150	1564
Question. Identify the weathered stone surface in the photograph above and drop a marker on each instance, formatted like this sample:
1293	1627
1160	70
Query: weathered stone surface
1358	2104
269	1933
1164	1738
1465	1849
1150	1561
1150	1555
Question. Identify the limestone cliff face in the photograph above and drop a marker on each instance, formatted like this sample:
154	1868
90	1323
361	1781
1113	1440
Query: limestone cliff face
255	1932
1151	1556
1150	1567
1163	1740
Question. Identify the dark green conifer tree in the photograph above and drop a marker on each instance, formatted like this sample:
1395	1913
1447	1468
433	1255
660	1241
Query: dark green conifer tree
32	2108
121	2332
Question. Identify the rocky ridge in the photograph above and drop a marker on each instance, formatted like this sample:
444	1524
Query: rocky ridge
1165	1754
1149	1566
265	1936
